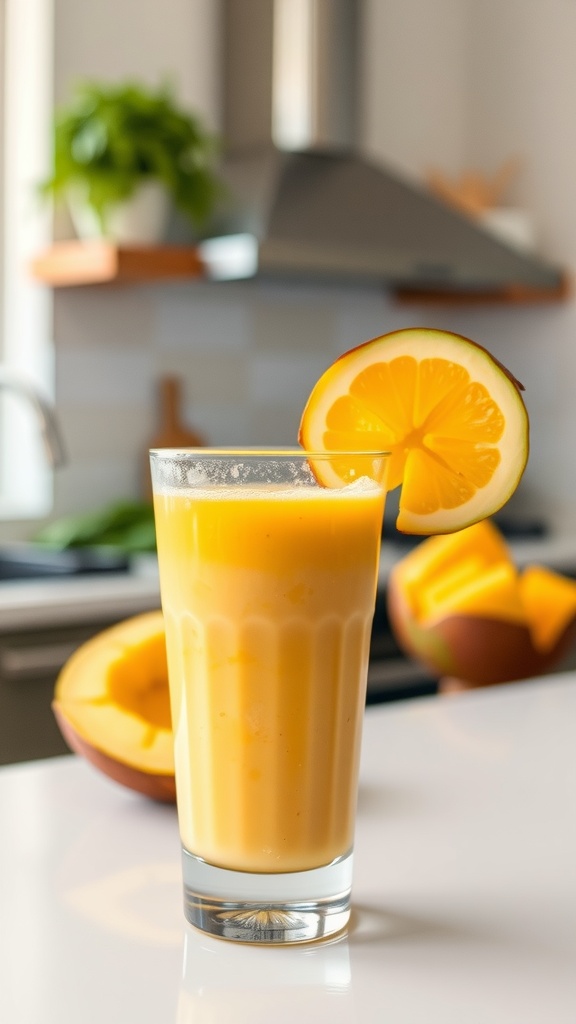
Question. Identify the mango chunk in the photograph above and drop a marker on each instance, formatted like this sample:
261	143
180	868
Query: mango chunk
433	560
491	593
549	600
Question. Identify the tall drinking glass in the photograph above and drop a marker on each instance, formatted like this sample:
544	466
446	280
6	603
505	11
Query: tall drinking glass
268	571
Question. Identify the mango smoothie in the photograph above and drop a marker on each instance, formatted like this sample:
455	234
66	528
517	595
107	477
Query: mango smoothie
268	596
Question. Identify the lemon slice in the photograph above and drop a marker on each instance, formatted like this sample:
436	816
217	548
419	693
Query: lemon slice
451	416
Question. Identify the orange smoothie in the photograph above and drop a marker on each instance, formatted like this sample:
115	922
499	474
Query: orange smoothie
268	596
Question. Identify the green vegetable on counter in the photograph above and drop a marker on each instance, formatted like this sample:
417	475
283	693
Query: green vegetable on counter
127	526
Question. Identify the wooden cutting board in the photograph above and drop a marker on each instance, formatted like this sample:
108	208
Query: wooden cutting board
171	431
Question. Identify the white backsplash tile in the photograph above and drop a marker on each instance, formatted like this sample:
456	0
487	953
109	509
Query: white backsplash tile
284	377
208	375
89	484
103	377
276	424
249	354
224	423
90	435
201	318
105	318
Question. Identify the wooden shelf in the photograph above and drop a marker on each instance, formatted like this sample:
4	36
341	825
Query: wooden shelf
72	263
67	264
509	295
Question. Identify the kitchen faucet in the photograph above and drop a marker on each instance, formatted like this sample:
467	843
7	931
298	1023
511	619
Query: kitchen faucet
45	414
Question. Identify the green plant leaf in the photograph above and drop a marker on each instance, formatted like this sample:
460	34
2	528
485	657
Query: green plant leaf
112	138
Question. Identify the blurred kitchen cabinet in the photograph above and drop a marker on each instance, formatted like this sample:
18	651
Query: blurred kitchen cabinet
30	661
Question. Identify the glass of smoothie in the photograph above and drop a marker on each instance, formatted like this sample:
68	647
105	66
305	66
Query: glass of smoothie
268	571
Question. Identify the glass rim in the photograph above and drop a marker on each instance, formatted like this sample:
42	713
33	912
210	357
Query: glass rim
274	452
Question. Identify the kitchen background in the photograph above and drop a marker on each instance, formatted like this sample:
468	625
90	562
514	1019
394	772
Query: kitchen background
448	85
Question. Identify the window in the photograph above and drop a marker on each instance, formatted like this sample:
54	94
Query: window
25	227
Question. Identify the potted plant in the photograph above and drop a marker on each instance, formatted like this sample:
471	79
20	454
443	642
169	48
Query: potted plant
123	153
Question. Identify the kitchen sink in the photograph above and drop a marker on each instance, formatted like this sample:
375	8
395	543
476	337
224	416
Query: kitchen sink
32	561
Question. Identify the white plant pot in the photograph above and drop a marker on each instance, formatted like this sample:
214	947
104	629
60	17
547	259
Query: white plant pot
140	220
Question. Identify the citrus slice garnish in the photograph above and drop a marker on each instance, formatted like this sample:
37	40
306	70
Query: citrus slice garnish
451	416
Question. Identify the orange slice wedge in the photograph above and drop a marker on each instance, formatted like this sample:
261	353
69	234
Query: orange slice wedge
451	416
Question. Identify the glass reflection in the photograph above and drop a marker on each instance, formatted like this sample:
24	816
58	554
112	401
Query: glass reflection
227	981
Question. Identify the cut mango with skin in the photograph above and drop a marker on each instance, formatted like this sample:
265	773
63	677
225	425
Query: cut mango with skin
459	604
113	707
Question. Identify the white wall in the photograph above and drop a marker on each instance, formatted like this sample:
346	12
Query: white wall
523	103
512	64
446	84
415	83
145	39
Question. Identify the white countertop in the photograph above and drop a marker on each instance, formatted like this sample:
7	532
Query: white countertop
45	603
464	893
31	604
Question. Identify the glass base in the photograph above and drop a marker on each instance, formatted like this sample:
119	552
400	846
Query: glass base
297	906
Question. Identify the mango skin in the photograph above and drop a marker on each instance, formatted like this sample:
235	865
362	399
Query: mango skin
154	786
475	650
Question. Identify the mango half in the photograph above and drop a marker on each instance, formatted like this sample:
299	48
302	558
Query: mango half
458	604
112	705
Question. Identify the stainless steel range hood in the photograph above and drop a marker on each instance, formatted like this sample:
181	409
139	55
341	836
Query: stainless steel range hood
303	200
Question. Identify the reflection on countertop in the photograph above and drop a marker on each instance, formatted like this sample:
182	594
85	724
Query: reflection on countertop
275	983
